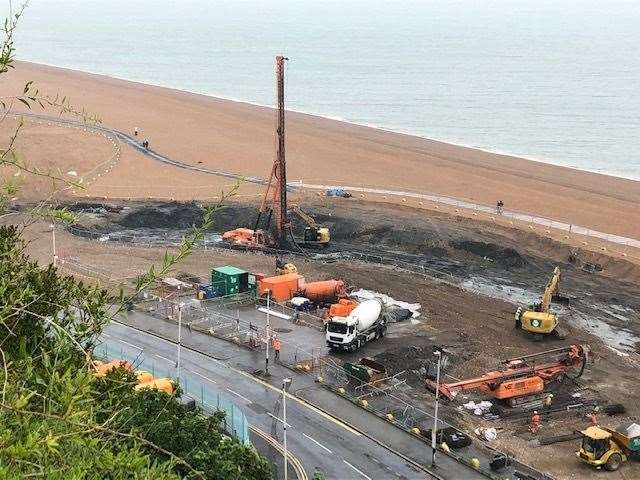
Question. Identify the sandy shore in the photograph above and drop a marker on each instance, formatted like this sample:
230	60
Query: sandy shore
239	137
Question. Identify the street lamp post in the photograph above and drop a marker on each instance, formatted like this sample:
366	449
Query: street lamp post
267	334
285	384
438	353
180	305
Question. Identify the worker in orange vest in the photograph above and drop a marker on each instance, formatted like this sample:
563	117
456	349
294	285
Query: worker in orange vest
535	422
592	416
276	346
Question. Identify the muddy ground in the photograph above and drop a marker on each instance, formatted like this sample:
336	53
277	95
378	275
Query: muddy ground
488	269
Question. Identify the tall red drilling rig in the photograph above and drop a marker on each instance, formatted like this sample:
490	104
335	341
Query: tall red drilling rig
274	200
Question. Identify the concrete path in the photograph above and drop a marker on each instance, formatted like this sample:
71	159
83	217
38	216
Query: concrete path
525	217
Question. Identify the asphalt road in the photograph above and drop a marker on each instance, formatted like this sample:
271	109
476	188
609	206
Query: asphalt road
318	440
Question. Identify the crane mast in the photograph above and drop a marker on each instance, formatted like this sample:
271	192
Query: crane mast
282	221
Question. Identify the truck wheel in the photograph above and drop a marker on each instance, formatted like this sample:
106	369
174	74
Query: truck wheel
614	462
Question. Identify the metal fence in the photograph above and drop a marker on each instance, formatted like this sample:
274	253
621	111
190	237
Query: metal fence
422	197
209	399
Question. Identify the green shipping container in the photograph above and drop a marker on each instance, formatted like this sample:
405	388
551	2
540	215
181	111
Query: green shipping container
231	280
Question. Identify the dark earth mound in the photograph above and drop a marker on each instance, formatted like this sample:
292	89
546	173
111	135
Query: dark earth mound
505	256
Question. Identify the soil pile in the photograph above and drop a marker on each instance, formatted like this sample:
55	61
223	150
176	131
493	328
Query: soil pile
505	256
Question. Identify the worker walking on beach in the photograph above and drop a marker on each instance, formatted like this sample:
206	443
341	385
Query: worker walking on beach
275	343
499	207
535	422
135	132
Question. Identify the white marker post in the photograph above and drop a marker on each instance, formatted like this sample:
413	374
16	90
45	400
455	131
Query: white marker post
53	242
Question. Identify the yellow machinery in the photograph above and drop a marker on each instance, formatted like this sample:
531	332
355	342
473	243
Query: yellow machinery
283	268
604	447
313	234
538	318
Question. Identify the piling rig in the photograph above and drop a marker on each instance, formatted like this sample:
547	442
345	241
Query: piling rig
523	376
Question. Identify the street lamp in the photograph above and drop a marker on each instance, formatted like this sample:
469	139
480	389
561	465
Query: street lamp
286	383
266	353
180	305
438	353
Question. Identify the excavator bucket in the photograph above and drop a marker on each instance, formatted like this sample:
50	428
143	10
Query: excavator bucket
561	300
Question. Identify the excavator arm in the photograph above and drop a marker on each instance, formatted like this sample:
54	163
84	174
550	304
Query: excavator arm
308	219
551	290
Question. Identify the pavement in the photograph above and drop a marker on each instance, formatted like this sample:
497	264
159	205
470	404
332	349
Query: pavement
318	438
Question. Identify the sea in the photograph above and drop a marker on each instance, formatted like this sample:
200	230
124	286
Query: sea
552	80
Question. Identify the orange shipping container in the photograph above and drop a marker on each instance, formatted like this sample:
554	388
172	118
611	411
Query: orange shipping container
282	287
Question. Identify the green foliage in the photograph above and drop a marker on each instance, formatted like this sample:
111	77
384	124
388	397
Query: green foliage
38	306
57	420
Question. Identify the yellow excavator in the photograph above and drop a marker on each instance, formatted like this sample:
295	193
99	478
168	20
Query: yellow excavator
283	268
538	318
313	233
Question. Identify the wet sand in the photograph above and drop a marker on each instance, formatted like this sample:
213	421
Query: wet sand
239	137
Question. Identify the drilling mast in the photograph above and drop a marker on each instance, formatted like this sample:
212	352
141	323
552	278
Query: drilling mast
282	221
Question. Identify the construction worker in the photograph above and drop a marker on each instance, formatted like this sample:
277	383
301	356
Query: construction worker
535	422
593	416
135	131
548	400
275	343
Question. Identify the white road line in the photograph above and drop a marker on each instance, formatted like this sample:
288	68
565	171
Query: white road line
280	420
202	376
241	396
317	442
365	476
131	345
164	358
105	335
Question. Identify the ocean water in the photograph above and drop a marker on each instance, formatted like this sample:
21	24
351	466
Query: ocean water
553	80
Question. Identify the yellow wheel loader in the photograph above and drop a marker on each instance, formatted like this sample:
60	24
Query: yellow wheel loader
604	447
538	319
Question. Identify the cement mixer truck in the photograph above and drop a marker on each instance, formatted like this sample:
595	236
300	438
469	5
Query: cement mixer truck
364	324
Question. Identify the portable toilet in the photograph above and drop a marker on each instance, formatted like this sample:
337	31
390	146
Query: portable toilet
229	280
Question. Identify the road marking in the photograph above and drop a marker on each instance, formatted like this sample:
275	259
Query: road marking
131	345
106	336
280	420
361	473
297	465
202	376
301	402
317	442
164	358
255	379
241	396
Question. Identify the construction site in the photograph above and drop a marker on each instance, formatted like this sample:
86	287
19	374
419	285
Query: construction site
526	338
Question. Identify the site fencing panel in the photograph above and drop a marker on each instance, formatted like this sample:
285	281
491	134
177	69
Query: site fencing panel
208	398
